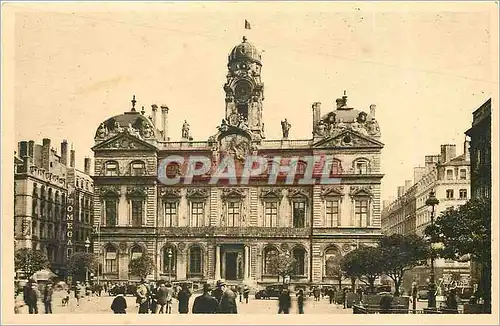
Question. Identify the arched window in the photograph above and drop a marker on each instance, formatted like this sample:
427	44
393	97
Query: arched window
111	168
361	166
172	170
299	254
195	260
270	259
35	201
332	262
111	259
137	168
135	252
169	260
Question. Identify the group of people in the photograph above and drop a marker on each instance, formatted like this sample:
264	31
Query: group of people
32	295
158	298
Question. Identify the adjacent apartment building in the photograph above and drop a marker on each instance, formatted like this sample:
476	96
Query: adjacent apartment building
46	187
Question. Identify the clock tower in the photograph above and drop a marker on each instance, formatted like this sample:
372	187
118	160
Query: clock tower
244	88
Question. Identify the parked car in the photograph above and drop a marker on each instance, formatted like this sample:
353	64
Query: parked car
423	294
270	291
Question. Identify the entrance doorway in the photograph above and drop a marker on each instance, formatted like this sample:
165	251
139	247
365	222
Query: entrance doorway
231	266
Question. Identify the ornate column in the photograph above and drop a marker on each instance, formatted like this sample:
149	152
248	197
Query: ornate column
217	263
247	263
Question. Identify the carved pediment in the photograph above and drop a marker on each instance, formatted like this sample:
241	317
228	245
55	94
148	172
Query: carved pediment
233	193
331	191
349	139
124	141
109	191
271	193
298	193
137	192
197	193
170	193
361	191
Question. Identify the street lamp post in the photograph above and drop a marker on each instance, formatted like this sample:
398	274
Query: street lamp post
431	202
87	246
169	255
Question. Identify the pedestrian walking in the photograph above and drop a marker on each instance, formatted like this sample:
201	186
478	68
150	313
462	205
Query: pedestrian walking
205	303
153	300
183	298
79	292
246	293
170	297
284	302
31	296
228	301
47	297
344	298
119	305
161	298
300	301
142	297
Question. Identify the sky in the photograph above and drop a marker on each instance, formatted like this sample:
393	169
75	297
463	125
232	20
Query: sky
426	66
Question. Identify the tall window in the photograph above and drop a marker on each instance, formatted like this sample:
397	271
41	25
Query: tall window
299	254
111	211
169	260
270	257
336	167
299	214
137	212
449	174
463	174
34	208
111	260
111	169
449	194
195	259
170	213
332	212
361	212
271	214
135	252
233	213
301	167
197	209
463	193
137	168
332	262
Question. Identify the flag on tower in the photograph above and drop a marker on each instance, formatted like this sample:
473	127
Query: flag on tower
247	24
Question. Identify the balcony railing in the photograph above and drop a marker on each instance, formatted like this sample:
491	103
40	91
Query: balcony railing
220	231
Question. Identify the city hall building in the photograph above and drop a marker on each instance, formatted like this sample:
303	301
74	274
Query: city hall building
199	231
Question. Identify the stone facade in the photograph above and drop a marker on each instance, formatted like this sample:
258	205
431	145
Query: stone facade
46	184
201	232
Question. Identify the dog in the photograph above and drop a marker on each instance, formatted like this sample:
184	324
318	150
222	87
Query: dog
65	300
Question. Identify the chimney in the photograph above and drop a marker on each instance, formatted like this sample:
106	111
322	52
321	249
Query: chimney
164	120
418	173
46	154
467	149
23	149
401	191
72	158
373	107
316	113
86	165
154	108
31	149
448	152
431	160
408	184
64	152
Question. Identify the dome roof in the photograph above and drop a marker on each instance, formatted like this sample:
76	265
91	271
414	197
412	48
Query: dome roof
245	51
128	120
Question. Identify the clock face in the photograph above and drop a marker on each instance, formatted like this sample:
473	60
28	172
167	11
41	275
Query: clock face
242	90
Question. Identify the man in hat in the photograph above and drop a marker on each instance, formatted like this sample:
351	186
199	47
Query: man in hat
205	303
217	293
47	297
142	297
228	302
31	296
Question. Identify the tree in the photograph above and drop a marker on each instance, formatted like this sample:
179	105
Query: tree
333	269
466	231
30	261
142	266
364	262
399	253
283	265
81	263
